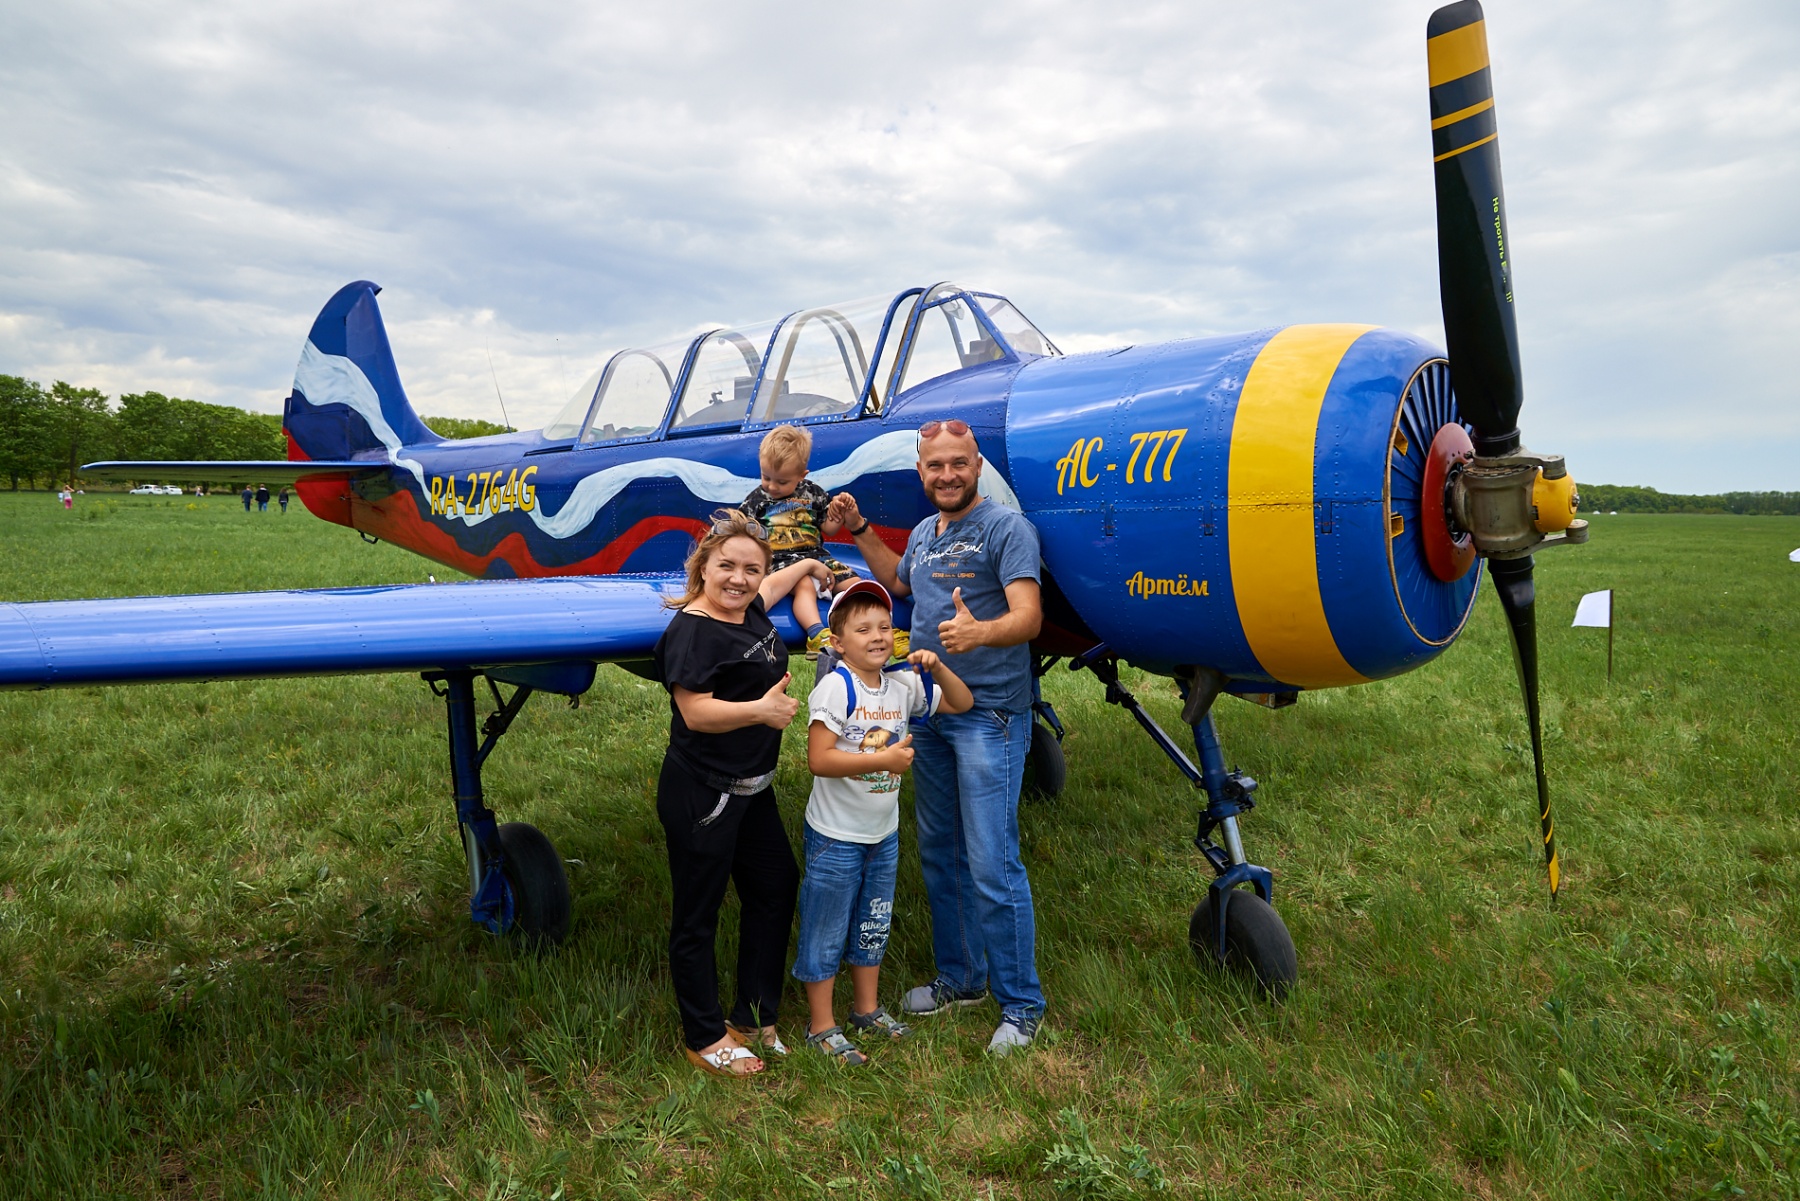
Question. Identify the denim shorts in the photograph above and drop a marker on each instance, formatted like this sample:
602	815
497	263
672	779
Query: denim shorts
846	904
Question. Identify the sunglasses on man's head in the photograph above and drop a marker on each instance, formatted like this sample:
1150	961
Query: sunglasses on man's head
953	427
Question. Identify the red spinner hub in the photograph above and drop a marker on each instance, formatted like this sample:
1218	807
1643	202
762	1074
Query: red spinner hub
1449	553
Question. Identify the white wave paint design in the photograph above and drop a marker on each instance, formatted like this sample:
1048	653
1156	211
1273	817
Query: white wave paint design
333	379
328	378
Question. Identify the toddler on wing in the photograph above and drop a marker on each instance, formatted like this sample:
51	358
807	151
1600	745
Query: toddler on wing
858	747
795	514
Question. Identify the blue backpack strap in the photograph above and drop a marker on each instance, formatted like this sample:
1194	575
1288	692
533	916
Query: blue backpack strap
924	678
849	691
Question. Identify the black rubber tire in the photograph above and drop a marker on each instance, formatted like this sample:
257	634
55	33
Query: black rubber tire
1256	942
1046	771
540	887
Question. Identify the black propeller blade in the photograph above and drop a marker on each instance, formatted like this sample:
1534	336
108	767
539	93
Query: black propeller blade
1475	282
1512	580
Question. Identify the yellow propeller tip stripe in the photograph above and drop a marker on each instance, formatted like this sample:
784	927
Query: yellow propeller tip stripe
1457	53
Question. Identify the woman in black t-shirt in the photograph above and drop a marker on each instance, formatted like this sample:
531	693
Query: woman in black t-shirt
726	672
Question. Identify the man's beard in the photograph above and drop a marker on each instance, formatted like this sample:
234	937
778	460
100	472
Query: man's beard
964	498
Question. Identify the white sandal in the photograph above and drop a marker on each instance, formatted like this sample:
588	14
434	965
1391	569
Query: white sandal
723	1061
765	1039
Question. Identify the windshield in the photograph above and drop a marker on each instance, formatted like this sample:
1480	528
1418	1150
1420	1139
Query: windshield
724	372
633	392
573	416
1014	326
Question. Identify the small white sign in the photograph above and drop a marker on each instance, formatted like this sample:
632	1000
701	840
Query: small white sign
1595	609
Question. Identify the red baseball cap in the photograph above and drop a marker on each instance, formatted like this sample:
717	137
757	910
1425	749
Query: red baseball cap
861	587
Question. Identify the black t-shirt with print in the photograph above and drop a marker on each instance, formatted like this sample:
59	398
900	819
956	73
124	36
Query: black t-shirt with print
794	524
734	663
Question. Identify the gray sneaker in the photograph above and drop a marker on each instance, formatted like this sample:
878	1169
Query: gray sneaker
938	996
1010	1035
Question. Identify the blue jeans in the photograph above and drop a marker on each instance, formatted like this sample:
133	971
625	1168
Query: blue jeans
967	768
846	903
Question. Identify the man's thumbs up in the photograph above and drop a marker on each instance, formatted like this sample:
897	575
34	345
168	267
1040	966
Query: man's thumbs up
962	632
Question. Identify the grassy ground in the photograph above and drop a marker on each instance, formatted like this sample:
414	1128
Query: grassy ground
235	956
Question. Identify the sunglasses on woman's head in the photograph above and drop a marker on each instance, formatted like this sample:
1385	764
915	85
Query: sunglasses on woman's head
724	522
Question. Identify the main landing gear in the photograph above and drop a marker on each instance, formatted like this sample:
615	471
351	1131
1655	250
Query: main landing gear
517	884
1236	929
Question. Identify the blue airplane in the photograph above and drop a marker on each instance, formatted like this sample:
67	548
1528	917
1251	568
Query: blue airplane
1253	515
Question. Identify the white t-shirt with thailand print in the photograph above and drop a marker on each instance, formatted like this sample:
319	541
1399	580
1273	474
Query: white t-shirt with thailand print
864	808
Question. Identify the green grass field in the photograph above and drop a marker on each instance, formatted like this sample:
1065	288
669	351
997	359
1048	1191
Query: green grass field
235	956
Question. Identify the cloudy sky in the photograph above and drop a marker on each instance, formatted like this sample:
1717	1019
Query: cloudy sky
183	185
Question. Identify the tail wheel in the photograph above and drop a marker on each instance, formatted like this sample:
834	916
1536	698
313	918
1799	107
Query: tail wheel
540	886
1046	771
1256	941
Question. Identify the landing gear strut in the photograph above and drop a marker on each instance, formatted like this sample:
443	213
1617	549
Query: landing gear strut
1230	927
517	884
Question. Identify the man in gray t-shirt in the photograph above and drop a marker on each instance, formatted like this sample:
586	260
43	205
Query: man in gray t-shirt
972	572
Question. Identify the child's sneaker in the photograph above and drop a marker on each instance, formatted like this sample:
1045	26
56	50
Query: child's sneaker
879	1022
816	643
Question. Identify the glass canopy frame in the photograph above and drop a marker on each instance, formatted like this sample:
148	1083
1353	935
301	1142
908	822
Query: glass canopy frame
877	367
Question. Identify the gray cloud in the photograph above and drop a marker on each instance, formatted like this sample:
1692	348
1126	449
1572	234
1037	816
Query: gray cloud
180	190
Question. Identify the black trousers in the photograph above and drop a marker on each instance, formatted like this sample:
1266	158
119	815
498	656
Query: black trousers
746	844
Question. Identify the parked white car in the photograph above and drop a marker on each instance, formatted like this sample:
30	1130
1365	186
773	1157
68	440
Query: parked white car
147	490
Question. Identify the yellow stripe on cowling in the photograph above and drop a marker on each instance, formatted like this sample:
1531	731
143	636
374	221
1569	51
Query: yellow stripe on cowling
1274	565
1453	153
1457	53
1462	114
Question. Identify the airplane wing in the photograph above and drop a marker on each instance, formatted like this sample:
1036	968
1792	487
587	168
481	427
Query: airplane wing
481	624
255	471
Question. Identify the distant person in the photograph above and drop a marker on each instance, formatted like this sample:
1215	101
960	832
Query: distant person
283	499
67	497
248	496
262	498
796	514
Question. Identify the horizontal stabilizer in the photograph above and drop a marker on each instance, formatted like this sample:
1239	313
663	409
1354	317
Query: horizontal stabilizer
478	625
252	471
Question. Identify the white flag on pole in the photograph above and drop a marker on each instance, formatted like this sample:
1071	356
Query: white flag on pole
1595	609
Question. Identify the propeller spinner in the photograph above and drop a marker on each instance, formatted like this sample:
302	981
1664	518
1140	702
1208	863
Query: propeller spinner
1498	496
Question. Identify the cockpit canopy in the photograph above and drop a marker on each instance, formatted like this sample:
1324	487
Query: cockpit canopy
814	364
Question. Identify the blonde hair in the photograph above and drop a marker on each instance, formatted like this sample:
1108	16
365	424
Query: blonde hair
783	445
726	525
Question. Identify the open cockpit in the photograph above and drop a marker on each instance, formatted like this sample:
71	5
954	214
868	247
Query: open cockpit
833	363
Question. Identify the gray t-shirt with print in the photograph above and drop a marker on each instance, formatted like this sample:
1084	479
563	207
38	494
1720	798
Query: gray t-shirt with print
981	554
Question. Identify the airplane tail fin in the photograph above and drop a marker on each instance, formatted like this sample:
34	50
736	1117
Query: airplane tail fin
347	397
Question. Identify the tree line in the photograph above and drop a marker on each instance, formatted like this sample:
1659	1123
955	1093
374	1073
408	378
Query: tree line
47	433
1625	498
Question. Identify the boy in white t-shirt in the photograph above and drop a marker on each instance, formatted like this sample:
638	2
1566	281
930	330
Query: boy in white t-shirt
858	747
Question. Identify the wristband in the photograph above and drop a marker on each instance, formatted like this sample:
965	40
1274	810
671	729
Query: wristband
863	529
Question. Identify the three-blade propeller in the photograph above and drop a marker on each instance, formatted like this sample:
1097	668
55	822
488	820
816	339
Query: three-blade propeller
1475	281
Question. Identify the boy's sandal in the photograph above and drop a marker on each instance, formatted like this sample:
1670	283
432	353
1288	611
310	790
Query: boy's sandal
879	1021
729	1060
832	1042
764	1039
